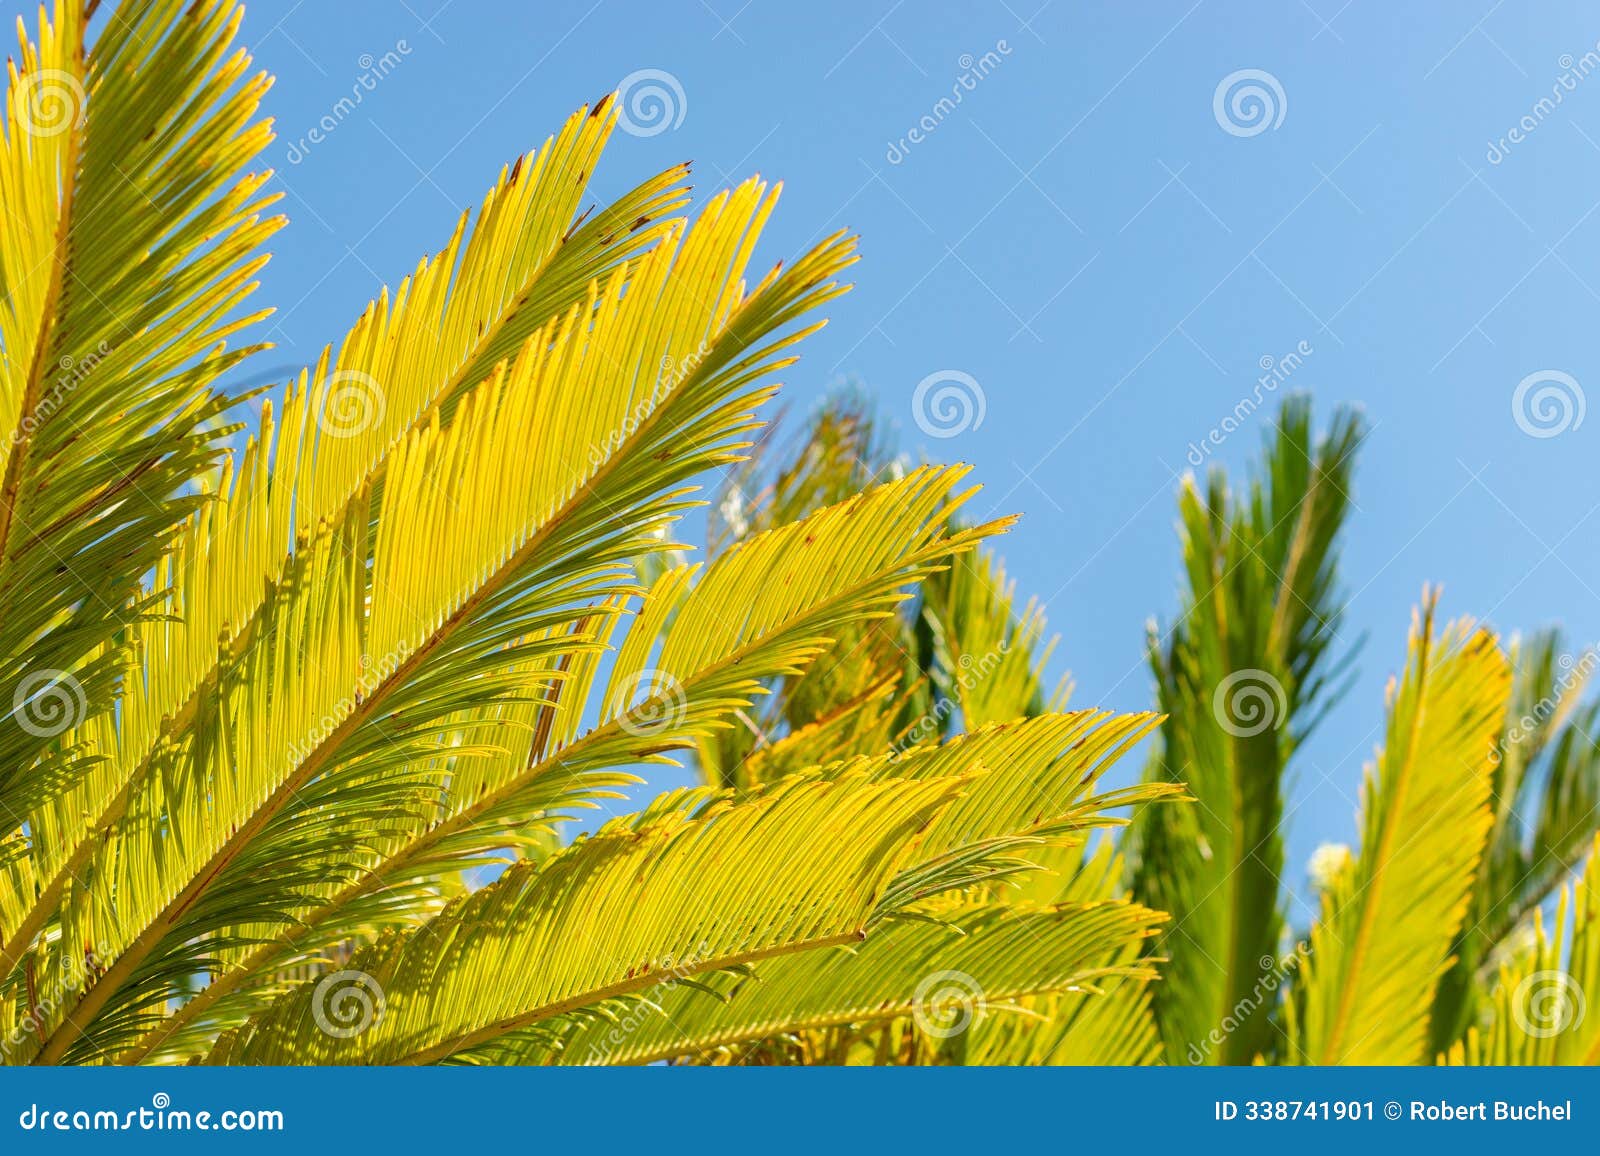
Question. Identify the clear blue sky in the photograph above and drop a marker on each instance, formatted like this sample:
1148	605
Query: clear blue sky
1084	239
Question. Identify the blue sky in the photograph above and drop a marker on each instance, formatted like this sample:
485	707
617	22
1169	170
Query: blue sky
1086	237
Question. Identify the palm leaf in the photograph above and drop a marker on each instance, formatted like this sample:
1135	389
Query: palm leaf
969	968
517	767
693	884
449	592
1242	677
128	256
1384	936
1547	812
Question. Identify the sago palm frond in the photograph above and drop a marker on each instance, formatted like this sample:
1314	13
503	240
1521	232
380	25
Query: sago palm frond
520	766
997	951
475	549
989	653
692	883
1108	1021
1241	677
401	634
1546	814
953	974
127	261
1389	917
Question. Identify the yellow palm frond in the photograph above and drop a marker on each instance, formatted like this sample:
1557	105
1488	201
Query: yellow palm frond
953	976
691	885
126	262
469	555
516	766
991	653
1384	935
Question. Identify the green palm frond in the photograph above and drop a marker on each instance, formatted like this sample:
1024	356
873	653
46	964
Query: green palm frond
1242	677
1388	920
